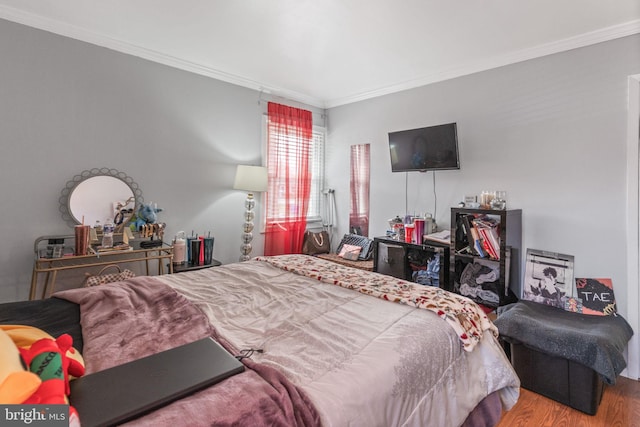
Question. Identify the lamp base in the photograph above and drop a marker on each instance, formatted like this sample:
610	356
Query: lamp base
247	228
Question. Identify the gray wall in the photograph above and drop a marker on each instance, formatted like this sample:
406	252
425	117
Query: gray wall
67	106
549	131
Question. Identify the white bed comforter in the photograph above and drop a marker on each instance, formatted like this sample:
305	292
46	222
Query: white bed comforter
362	360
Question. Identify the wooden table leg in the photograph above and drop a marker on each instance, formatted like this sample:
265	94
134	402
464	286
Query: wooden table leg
49	281
50	286
45	284
53	282
34	285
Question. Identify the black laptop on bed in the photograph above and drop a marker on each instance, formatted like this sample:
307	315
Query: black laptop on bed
127	391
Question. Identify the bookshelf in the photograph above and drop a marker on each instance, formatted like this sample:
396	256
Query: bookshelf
485	254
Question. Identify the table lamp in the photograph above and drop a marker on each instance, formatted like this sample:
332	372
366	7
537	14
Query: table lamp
251	179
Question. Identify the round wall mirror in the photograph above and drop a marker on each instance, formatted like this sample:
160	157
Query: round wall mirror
98	195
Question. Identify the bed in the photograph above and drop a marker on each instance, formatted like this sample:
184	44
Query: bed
329	345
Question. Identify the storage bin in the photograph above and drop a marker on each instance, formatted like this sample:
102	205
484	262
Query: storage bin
559	379
568	357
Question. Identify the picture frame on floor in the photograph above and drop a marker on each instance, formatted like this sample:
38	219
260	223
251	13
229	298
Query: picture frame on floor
548	277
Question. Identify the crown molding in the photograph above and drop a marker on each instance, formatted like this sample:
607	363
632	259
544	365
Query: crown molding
582	40
82	34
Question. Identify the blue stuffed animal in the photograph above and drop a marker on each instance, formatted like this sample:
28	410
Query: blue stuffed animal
147	214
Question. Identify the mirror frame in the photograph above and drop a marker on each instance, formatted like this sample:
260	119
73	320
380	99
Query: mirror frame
65	194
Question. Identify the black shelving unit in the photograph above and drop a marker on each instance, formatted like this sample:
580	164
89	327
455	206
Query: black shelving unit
403	260
509	229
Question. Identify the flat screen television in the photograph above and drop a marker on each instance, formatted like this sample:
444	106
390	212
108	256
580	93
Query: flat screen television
424	149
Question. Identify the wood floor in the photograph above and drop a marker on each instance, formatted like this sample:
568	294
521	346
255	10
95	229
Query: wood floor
620	407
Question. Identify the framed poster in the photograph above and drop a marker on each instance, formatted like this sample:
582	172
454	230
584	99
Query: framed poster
548	277
597	296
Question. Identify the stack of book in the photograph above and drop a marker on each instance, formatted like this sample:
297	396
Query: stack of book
483	235
443	236
115	248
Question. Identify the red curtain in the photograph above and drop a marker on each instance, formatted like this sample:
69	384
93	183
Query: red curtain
359	188
290	132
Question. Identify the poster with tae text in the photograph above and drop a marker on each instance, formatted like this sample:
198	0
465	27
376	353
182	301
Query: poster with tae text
597	296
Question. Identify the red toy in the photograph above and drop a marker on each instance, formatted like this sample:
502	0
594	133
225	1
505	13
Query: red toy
48	359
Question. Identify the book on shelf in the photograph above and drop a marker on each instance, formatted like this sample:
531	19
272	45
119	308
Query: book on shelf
482	235
487	243
487	229
478	245
473	238
443	236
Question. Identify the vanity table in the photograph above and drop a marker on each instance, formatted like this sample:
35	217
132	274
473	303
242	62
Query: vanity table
92	197
49	267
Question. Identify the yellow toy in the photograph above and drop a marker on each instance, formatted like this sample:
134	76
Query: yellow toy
24	336
30	346
16	383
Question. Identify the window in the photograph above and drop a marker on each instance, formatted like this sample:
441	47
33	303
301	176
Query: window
317	152
317	175
291	160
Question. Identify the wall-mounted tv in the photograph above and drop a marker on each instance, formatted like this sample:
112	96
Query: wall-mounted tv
424	149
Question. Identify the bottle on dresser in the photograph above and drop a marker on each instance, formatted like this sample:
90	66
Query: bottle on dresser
107	234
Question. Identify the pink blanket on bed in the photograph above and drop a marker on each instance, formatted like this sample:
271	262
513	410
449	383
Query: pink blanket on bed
462	314
128	320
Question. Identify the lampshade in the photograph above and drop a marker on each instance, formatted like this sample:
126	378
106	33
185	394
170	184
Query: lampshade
251	178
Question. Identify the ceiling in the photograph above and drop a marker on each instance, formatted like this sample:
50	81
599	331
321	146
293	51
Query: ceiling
327	53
